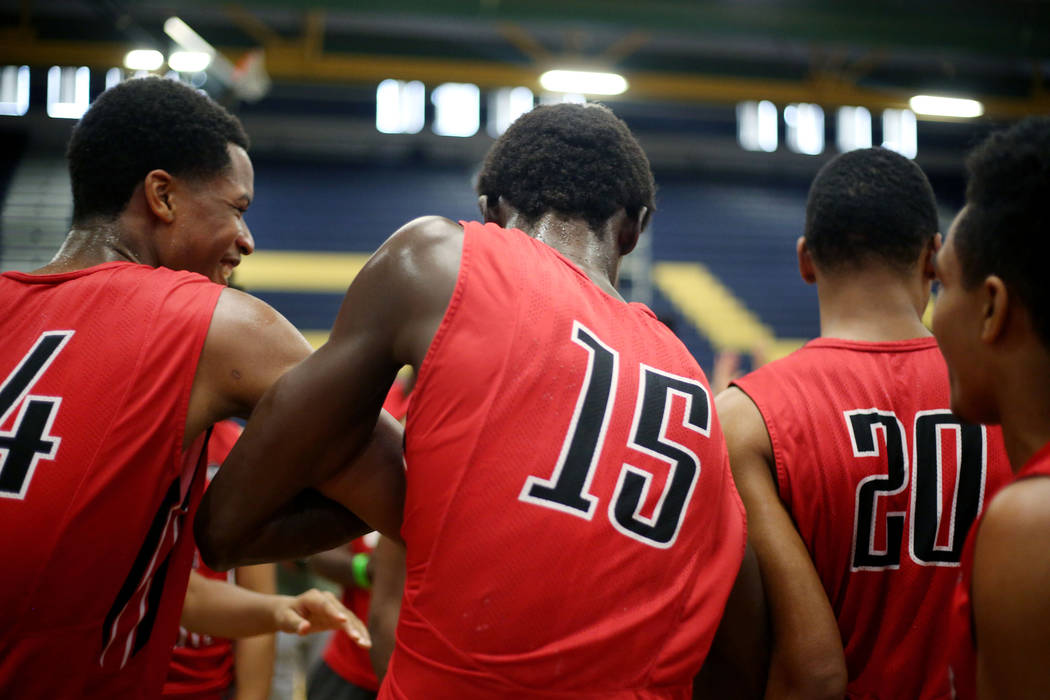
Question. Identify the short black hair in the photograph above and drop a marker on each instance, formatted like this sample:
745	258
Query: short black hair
867	206
1003	231
576	160
141	125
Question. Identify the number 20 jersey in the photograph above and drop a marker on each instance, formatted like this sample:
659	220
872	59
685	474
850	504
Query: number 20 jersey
571	522
883	483
95	487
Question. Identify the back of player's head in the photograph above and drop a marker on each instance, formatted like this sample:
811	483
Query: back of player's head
575	160
142	125
1003	231
869	206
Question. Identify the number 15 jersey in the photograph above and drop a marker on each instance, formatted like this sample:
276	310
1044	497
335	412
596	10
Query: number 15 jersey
883	483
571	522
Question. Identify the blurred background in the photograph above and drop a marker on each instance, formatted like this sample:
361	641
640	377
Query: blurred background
364	114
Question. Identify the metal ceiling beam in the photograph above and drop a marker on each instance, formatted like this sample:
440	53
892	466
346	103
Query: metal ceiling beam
292	62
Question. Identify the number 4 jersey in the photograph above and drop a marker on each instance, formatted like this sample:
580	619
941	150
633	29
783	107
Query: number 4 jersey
883	483
95	487
571	522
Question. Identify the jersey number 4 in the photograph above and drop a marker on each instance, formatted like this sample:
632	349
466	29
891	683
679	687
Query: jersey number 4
29	439
968	442
567	489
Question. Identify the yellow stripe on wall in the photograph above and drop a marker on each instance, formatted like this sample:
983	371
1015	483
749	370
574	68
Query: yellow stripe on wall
289	271
717	313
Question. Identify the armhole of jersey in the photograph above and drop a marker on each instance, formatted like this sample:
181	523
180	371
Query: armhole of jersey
466	258
778	471
198	330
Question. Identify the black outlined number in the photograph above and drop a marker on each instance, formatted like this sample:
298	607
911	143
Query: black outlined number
927	477
29	440
568	488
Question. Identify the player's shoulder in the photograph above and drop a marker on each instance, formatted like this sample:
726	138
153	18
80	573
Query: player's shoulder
424	232
424	252
1020	510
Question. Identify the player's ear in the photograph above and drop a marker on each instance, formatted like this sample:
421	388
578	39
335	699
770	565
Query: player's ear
995	307
157	188
928	254
491	211
806	269
630	230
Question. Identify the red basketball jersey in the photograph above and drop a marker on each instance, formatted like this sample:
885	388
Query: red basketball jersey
570	518
883	483
201	665
95	488
963	655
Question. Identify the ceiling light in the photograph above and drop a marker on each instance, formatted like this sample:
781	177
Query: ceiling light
189	61
936	106
586	82
143	59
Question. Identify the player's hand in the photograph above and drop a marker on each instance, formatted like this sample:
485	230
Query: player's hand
316	611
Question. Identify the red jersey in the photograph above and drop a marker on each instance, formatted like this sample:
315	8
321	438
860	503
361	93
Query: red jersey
883	483
201	665
343	655
95	487
963	656
570	519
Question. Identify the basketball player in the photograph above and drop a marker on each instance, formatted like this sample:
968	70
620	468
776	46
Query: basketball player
571	523
992	320
842	450
117	356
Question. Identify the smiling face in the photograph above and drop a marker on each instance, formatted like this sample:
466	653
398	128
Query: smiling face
209	234
958	316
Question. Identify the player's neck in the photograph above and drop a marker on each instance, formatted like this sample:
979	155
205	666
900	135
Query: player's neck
94	244
593	253
864	311
1023	399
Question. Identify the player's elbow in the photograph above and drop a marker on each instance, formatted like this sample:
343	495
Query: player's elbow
817	679
216	550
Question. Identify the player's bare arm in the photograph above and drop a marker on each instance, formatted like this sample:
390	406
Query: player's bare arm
324	413
253	657
807	657
1011	608
738	661
388	584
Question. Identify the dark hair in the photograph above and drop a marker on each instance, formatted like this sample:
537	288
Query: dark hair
869	206
142	125
576	160
1003	231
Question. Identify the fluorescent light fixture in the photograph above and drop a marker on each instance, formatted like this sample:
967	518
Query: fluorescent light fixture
68	91
805	128
400	107
586	82
143	59
937	106
457	109
506	105
189	61
900	132
14	90
853	129
756	126
185	37
114	76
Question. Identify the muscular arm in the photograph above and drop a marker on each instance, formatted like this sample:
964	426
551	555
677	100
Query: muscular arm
320	416
1011	607
388	565
254	656
807	659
